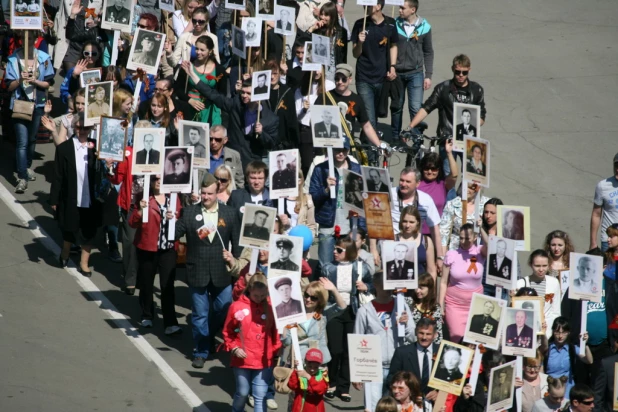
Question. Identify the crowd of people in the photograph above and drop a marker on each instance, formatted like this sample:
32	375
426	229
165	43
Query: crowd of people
449	224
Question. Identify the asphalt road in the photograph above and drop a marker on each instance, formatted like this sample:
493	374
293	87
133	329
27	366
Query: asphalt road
550	78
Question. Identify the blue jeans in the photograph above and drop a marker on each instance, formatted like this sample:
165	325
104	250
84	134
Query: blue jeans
25	141
112	237
256	380
370	93
604	246
326	247
204	324
413	83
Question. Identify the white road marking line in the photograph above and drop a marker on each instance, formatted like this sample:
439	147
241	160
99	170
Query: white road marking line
120	320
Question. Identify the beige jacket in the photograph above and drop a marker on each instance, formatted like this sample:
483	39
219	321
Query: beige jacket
182	51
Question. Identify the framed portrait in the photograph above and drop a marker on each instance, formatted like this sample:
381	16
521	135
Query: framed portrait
376	179
466	123
177	169
285	255
147	151
266	10
98	99
485	320
252	26
378	216
89	77
285	18
353	192
167	5
112	139
257	225
326	126
586	280
27	15
236	4
238	43
289	45
260	85
476	161
283	171
500	263
321	49
501	387
519	335
513	222
308	65
196	135
399	265
146	51
451	367
118	15
286	298
535	303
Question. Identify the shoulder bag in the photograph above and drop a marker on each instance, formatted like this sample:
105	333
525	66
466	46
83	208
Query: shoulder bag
282	376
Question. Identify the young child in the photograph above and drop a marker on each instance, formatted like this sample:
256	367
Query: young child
309	385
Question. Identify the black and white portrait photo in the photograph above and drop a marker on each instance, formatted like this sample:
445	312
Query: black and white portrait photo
353	192
146	51
112	139
321	49
167	5
118	15
326	126
177	169
451	367
535	304
285	18
513	223
26	14
476	161
238	42
284	173
484	320
98	102
399	264
257	226
196	135
235	4
586	277
266	10
308	65
285	255
466	123
89	77
377	179
501	385
260	85
519	337
252	26
147	151
286	298
499	267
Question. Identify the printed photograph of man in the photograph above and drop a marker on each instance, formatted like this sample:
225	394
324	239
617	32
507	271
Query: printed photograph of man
257	229
147	156
252	33
354	190
285	175
284	250
283	22
177	168
117	12
326	128
501	387
238	45
585	281
499	264
400	268
375	182
147	53
465	128
319	48
288	305
519	334
193	138
485	324
261	87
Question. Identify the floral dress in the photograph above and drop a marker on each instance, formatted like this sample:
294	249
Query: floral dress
211	113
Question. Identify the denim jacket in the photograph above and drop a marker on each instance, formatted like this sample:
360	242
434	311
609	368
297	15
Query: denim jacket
45	69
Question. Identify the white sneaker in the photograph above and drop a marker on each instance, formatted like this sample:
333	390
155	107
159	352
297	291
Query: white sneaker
171	330
250	401
146	323
22	186
31	175
271	404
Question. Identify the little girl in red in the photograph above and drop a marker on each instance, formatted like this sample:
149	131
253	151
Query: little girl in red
310	384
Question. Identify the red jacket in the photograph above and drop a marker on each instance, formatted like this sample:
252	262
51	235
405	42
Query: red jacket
314	394
147	234
251	327
123	176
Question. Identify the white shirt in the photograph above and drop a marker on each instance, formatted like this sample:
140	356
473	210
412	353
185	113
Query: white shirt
81	166
426	208
420	354
257	198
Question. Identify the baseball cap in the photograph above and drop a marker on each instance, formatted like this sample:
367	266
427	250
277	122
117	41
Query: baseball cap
616	158
344	69
314	355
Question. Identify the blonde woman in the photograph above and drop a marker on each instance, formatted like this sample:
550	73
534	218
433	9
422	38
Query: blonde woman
186	42
181	18
299	210
223	174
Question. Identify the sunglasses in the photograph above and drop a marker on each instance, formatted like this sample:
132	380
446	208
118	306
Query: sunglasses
313	298
587	402
216	139
142	26
431	169
222	180
90	54
341	78
196	22
461	72
160	90
339	250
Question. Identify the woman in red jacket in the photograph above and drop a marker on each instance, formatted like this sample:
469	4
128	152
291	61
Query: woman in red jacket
250	334
155	251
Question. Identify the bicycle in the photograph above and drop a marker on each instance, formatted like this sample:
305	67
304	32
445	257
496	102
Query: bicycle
417	143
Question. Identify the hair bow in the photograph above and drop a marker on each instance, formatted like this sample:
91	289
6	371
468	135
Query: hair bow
549	297
472	266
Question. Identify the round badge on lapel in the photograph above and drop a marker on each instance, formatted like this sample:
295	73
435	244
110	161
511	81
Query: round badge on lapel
263	316
242	210
199	218
127	153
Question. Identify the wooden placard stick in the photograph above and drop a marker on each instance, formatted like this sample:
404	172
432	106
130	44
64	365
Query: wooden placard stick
284	56
365	19
248	63
258	116
26	57
310	86
265	57
323	85
464	202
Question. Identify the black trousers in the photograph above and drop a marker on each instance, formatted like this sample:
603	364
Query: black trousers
585	373
129	254
337	330
148	263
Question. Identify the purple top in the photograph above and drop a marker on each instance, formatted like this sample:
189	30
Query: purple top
437	191
459	261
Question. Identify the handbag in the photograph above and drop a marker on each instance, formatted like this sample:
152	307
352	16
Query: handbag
181	257
282	376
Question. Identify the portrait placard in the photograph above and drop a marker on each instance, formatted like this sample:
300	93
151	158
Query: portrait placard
257	225
146	51
147	151
535	303
501	385
197	135
466	123
365	353
376	179
286	298
476	161
485	320
586	280
285	18
326	126
266	10
289	46
112	139
563	277
98	99
353	192
513	222
500	264
252	26
321	49
399	265
27	15
367	2
235	4
89	77
285	255
167	5
397	3
519	336
378	216
118	15
238	43
261	86
451	367
308	65
177	169
283	173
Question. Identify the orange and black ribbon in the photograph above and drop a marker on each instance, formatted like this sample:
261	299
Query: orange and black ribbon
472	266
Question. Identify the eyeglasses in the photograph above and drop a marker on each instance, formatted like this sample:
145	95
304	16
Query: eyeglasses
461	72
308	296
142	26
216	139
339	250
431	169
341	78
90	53
533	367
587	402
222	180
198	22
157	90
